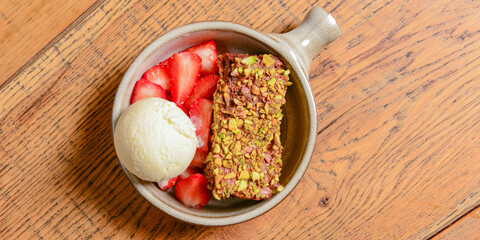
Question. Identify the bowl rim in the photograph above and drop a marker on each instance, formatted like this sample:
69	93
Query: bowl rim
273	43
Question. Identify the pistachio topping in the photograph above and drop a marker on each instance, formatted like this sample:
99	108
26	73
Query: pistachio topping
245	159
249	60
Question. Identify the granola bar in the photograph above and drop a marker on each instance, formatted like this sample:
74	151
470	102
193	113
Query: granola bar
246	152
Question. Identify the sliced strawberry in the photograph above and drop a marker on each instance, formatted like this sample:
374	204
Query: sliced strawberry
198	159
167	184
193	191
188	172
159	75
146	89
208	52
164	62
203	89
201	117
184	70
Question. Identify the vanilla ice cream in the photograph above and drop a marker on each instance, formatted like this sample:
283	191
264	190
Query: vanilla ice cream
155	140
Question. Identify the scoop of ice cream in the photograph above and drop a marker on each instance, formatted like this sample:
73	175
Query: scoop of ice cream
154	139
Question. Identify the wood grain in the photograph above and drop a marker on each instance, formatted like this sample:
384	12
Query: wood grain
398	132
27	26
465	228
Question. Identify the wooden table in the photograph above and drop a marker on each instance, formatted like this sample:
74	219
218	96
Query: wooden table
398	101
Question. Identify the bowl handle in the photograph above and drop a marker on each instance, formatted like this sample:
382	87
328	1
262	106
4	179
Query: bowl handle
317	29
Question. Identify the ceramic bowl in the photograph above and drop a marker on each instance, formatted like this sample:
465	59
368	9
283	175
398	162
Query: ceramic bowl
296	49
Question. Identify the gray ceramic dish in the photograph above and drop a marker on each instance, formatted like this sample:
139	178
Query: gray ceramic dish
297	49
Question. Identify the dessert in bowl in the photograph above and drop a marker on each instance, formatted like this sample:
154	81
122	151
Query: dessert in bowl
296	50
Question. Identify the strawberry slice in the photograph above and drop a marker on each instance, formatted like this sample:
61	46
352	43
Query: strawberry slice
167	184
193	191
208	52
159	75
184	70
164	62
198	159
204	89
188	172
146	89
201	116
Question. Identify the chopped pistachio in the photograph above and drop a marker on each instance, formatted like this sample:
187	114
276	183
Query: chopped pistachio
218	162
216	148
249	60
242	185
255	175
234	73
226	96
226	164
288	84
244	175
268	60
272	81
263	89
247	72
232	124
279	188
255	90
229	175
286	72
215	195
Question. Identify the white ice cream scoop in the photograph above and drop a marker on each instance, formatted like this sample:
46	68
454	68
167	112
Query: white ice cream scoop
155	140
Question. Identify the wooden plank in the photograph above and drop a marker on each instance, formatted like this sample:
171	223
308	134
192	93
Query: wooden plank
465	228
397	99
27	26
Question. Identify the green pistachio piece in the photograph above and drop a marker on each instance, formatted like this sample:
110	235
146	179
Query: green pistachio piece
244	175
263	89
216	148
272	81
247	72
242	185
249	60
268	60
234	73
255	176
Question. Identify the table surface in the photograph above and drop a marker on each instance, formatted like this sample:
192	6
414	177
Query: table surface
397	97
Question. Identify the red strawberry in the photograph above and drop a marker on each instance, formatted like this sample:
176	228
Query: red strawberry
166	184
188	172
184	70
193	191
204	89
146	89
208	52
198	159
201	117
164	62
159	75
